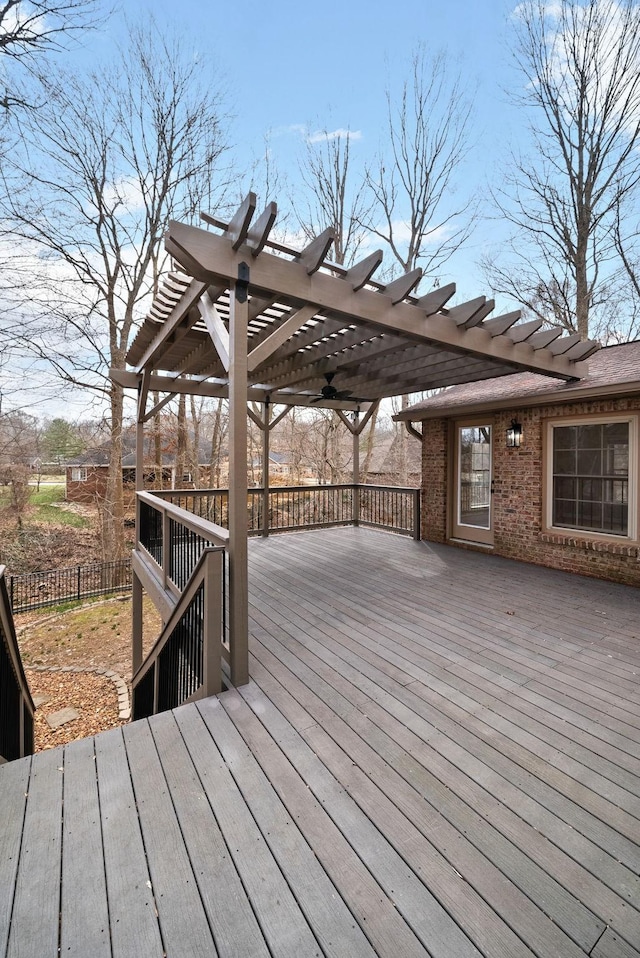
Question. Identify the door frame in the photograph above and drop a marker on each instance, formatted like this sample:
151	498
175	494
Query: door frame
457	530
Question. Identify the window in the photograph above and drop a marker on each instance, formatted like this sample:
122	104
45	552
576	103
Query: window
592	477
78	474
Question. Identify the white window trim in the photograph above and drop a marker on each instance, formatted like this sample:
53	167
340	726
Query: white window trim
634	468
78	474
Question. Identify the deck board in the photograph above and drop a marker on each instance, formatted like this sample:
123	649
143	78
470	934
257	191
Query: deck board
284	926
438	754
84	916
132	908
14	783
225	902
185	930
37	891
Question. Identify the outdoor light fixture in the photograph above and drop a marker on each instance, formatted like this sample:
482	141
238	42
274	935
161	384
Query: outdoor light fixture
514	435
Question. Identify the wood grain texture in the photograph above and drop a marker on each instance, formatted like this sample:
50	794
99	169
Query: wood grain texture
419	766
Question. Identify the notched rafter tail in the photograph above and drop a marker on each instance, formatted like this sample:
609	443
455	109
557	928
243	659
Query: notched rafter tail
433	301
400	288
259	232
361	273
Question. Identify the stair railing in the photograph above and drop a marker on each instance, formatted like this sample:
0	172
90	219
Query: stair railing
16	705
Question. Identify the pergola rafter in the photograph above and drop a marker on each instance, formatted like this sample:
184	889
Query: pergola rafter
308	317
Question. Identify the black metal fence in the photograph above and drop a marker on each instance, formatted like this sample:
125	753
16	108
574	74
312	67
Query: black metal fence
36	590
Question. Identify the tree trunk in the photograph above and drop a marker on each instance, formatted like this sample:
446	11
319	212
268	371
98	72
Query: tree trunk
181	442
113	527
401	438
194	447
364	472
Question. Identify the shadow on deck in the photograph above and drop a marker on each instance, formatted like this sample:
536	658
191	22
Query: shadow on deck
438	754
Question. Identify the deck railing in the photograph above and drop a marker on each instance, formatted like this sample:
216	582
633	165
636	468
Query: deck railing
395	508
188	555
174	538
185	662
16	704
182	537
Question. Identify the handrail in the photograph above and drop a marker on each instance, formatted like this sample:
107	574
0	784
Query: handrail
156	688
16	705
158	538
217	534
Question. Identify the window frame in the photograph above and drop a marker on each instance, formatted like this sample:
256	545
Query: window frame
634	468
78	474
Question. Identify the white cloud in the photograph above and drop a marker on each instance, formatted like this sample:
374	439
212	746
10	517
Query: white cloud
321	136
318	136
126	192
402	233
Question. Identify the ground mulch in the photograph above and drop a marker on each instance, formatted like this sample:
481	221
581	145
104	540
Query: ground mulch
97	635
92	696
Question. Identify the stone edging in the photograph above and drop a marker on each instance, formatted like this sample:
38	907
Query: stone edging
124	705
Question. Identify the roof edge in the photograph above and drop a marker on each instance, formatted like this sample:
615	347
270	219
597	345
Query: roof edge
551	398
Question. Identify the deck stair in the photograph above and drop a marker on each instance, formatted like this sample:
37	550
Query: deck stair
16	704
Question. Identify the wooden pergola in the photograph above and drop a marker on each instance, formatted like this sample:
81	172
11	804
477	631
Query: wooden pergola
245	318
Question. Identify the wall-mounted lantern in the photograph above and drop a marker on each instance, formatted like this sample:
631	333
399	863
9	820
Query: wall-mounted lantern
514	435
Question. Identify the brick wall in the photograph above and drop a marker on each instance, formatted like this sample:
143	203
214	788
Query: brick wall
434	480
89	489
517	500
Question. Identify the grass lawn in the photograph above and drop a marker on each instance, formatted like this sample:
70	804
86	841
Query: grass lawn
47	505
90	636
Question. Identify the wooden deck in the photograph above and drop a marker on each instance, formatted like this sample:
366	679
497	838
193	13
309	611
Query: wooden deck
438	754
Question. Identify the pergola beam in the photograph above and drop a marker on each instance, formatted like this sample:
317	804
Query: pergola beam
290	281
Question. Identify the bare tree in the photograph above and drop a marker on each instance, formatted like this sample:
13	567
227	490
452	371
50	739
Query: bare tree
335	195
627	243
580	63
20	436
219	429
413	184
30	28
414	181
103	165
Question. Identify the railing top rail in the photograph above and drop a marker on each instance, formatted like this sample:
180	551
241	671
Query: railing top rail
309	487
9	631
202	527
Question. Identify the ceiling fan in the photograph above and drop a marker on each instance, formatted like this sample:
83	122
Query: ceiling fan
330	392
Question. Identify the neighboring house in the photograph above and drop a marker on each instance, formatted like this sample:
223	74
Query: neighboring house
86	476
568	496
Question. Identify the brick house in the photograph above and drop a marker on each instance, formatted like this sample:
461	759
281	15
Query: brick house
86	476
565	493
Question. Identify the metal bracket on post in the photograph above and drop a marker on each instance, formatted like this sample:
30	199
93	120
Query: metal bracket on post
242	283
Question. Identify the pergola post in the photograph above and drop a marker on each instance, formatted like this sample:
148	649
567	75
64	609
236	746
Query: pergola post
238	491
266	431
356	468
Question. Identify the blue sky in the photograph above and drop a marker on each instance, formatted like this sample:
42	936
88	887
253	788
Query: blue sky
286	66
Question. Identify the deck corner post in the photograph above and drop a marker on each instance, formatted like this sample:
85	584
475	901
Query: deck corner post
238	485
265	466
417	499
355	434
